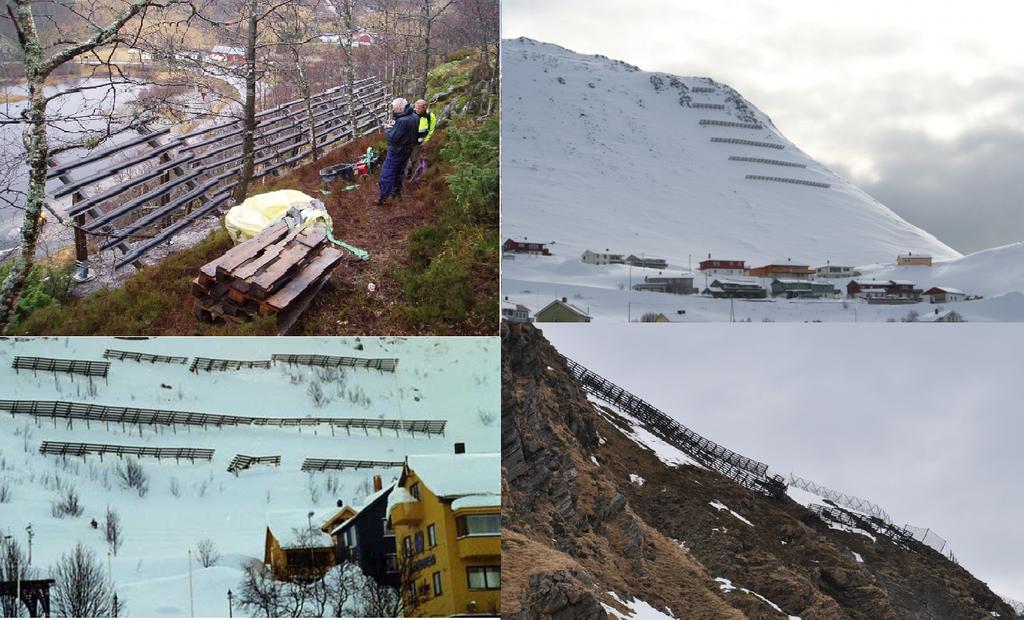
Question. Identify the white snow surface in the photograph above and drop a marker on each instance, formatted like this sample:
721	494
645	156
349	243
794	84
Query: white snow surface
727	586
492	500
638	610
607	160
595	156
717	505
437	378
666	452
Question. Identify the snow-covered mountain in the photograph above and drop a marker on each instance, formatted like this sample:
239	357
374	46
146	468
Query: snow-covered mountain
437	378
599	155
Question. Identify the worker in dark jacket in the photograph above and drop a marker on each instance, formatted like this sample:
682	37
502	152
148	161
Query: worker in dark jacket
401	138
426	130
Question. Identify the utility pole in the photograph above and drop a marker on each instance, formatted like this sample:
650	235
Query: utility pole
230	615
309	518
110	580
191	603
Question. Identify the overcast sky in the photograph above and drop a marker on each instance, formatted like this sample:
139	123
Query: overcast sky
928	428
919	103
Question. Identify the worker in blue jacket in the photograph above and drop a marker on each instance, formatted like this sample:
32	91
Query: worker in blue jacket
401	138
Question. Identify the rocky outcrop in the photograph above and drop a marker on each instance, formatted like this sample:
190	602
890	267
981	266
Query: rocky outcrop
663	541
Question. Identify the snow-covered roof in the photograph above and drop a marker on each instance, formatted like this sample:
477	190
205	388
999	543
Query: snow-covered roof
400	495
738	282
806	282
366	504
459	475
224	49
915	255
489	500
947	289
284	523
511	305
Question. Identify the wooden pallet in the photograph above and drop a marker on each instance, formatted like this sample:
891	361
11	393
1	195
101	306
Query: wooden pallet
277	272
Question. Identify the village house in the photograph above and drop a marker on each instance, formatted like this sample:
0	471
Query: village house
345	512
783	271
514	313
910	259
836	271
944	294
736	289
803	289
884	291
224	53
295	550
648	262
367	540
446	514
561	311
605	258
942	316
525	247
677	285
717	267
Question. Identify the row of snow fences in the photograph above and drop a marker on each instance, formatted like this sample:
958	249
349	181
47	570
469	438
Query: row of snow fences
383	364
244	461
758	177
65	448
135	356
842	516
746	471
708	106
337	464
702	89
135	416
209	364
770	162
78	367
170	181
717	123
847	501
766	145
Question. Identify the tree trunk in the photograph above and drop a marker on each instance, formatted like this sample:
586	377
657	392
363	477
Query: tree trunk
308	98
249	111
38	150
350	67
427	23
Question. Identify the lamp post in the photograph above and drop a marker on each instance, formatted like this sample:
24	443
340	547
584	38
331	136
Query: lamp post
191	603
230	615
28	528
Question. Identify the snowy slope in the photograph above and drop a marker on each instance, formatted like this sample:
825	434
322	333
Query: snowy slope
443	378
598	154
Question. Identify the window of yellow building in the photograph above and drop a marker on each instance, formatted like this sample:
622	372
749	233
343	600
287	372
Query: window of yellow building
484	577
414	490
478	525
431	536
437	584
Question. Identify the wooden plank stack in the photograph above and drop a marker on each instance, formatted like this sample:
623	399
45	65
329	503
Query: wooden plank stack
275	273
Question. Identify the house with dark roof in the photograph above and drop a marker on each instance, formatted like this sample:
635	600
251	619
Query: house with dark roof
367	540
802	289
677	285
735	289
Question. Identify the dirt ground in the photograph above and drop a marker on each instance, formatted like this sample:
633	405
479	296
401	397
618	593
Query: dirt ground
346	306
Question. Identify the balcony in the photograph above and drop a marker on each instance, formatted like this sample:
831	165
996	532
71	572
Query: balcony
407	513
478	547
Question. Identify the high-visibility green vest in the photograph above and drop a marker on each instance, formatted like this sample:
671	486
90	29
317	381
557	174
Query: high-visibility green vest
426	127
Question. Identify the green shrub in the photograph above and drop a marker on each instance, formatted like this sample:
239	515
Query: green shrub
47	286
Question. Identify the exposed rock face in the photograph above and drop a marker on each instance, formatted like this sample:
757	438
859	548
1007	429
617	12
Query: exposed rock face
568	493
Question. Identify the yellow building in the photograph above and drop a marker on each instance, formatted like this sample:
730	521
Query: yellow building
446	513
914	259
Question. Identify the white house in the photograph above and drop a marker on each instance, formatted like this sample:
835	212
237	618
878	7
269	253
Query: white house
514	313
944	294
599	258
835	271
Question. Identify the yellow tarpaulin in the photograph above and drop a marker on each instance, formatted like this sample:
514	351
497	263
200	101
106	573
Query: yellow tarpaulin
246	220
